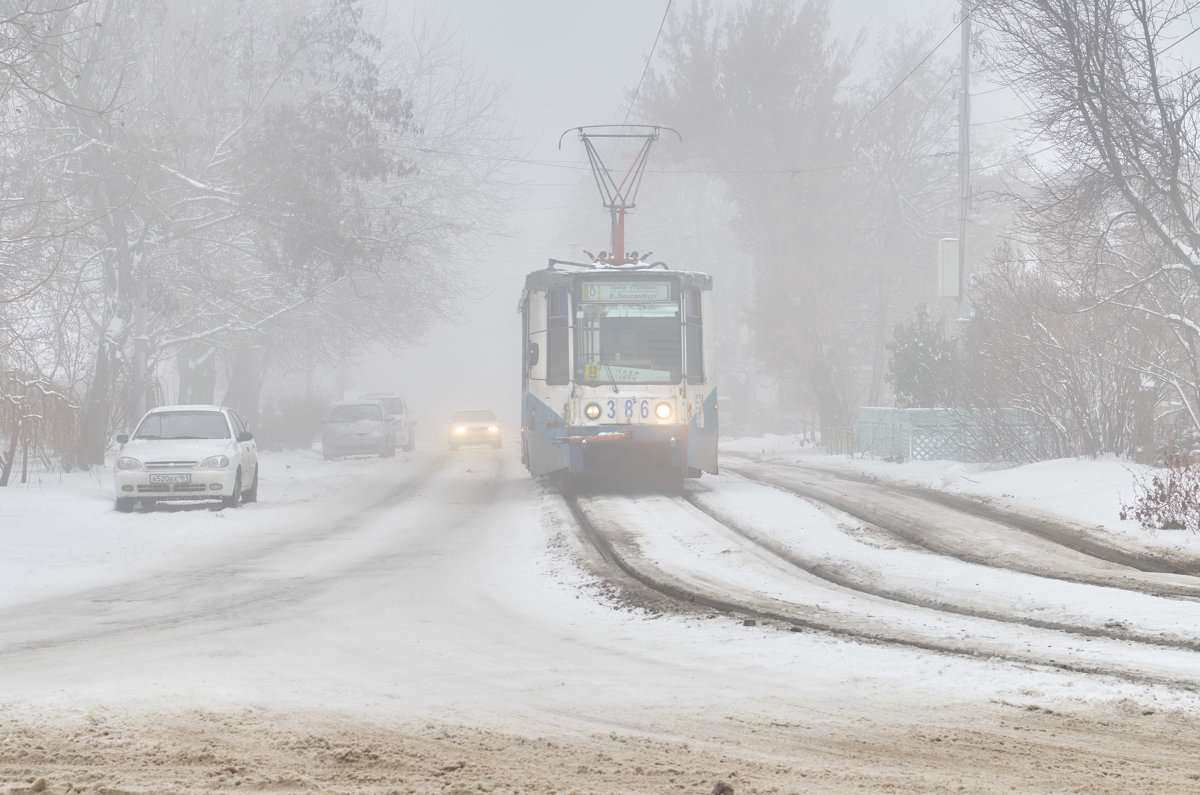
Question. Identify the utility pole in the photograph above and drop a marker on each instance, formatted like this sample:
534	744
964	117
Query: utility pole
964	158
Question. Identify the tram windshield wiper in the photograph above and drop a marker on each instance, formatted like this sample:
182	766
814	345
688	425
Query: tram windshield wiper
612	379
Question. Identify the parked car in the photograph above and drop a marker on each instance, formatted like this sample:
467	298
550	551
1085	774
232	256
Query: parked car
477	426
402	423
187	452
357	427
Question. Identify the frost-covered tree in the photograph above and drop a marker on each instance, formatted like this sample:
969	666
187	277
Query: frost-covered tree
832	182
43	53
1037	345
1116	100
267	177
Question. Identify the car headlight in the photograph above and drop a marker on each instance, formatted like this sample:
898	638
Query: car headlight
493	429
663	411
127	463
215	462
592	411
460	430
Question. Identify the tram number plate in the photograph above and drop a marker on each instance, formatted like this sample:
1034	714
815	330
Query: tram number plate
627	409
173	478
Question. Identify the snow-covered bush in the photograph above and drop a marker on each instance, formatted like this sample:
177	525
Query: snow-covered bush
1168	499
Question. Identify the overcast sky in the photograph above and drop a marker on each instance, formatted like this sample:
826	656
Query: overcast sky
565	63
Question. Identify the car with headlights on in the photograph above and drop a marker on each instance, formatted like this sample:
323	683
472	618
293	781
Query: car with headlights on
187	452
357	427
475	426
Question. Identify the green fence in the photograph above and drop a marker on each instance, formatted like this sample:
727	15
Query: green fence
938	434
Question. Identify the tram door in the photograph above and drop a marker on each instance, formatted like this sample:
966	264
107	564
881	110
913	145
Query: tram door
546	379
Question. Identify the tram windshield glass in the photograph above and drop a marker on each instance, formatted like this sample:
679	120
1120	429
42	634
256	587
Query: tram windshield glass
619	342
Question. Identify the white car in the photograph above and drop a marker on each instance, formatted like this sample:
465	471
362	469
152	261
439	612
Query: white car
478	426
187	453
396	409
357	427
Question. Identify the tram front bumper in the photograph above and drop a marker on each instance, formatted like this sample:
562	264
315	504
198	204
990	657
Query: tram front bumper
616	447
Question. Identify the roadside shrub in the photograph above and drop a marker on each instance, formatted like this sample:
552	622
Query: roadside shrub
1167	500
923	369
290	422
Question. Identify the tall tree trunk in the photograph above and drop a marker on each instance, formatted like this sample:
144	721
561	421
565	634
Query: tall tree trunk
197	364
137	375
246	381
25	444
113	332
878	351
12	453
830	406
93	437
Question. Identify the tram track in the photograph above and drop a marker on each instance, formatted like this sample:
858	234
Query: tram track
615	553
845	604
1036	545
847	579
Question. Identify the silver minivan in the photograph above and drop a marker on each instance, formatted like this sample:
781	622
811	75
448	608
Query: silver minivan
357	427
401	421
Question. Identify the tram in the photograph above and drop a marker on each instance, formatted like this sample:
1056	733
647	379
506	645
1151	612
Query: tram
616	374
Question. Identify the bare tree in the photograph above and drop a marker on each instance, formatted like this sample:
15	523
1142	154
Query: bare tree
38	64
42	56
268	177
1040	351
1116	100
834	185
905	177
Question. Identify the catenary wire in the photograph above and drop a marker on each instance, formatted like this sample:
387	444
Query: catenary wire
646	68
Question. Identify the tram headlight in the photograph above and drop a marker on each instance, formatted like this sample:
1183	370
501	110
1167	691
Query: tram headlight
663	411
592	411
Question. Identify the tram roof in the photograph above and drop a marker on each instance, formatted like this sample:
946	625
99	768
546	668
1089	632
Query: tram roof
566	273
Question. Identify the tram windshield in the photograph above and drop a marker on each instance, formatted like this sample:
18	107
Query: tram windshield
628	343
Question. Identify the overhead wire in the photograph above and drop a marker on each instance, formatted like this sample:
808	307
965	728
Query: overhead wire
575	166
579	166
646	68
1178	41
906	77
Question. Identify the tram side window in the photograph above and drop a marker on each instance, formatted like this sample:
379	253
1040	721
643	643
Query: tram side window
557	338
693	336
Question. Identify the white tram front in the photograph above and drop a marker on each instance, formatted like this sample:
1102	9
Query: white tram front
617	378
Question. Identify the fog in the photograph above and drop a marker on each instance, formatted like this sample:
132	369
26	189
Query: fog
267	205
566	65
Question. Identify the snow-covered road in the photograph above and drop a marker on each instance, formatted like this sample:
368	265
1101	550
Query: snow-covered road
448	591
419	598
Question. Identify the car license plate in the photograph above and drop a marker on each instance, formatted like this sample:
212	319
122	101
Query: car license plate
172	478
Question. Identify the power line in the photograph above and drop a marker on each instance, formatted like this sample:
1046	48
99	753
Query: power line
797	171
646	68
1005	120
1178	41
577	166
1022	158
911	72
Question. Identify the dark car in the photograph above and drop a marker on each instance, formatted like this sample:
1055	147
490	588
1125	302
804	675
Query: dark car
477	426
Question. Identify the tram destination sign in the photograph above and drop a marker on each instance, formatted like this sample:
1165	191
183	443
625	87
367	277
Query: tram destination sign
631	292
